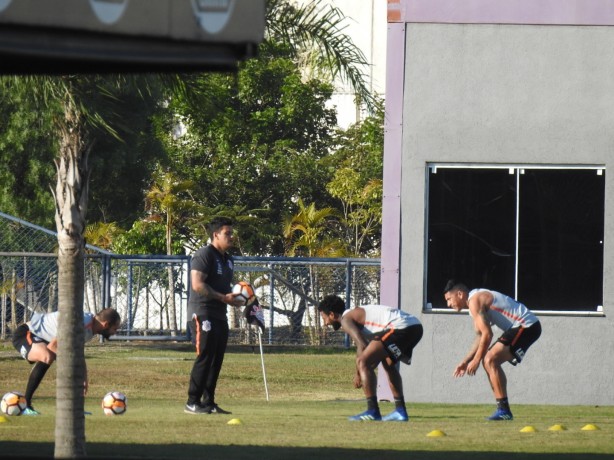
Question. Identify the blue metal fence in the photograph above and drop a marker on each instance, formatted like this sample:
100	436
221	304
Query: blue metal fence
151	291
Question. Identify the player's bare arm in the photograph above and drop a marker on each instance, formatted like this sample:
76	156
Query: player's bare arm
200	285
462	367
478	305
352	323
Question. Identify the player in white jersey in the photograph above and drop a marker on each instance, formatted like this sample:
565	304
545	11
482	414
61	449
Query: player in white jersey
383	335
36	341
520	327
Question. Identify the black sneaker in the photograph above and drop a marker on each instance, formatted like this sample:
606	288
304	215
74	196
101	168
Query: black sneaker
215	409
195	409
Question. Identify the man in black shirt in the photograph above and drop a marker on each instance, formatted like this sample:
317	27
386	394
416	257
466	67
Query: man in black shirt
211	276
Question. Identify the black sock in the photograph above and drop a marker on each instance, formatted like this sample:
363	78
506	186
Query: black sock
372	403
36	376
399	403
503	404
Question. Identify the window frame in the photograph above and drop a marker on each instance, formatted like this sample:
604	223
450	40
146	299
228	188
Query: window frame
516	169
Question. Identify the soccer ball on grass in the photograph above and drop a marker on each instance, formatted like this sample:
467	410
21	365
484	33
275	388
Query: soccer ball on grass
114	403
13	403
245	291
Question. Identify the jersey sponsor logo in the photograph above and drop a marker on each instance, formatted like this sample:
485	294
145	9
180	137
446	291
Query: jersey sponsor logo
219	267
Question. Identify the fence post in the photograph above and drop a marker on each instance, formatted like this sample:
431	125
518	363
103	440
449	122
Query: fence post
106	281
129	306
348	294
271	303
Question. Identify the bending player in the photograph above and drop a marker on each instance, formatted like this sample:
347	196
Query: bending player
521	329
383	335
37	343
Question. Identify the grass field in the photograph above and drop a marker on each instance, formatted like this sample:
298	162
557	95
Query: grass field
306	418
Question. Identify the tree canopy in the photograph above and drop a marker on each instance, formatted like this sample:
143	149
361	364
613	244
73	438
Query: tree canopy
251	144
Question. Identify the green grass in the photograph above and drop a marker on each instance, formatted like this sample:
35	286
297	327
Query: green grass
311	396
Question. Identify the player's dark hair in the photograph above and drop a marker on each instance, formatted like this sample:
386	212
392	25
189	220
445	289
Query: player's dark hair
332	303
455	285
110	315
217	223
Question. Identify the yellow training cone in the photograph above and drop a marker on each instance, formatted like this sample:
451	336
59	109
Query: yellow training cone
557	428
590	427
528	429
234	421
436	434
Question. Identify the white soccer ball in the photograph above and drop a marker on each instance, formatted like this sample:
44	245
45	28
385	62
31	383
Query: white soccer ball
114	403
13	403
245	291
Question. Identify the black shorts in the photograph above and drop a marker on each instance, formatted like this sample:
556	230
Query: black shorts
400	343
23	340
519	339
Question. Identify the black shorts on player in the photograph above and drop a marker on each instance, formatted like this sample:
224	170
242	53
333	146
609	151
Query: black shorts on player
400	343
519	339
23	340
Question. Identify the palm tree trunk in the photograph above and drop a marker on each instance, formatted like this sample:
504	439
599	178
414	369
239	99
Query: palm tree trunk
70	418
52	291
71	206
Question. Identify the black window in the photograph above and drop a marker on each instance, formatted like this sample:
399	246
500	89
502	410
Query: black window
534	233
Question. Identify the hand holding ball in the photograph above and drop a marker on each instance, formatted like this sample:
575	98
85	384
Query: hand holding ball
245	291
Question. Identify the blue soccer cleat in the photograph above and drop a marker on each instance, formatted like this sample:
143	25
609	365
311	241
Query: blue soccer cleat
367	416
501	414
30	411
397	415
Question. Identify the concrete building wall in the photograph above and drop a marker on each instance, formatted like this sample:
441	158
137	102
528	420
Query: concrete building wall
512	94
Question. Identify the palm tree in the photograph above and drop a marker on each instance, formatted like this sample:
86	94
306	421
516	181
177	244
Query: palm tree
165	197
315	35
308	232
71	207
101	234
66	98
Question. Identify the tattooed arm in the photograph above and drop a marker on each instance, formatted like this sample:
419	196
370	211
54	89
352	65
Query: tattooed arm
199	284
